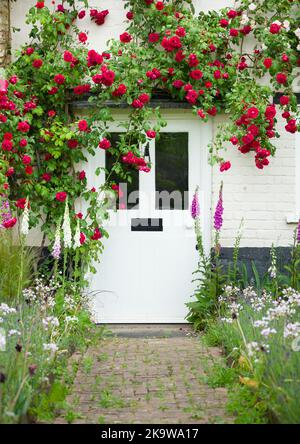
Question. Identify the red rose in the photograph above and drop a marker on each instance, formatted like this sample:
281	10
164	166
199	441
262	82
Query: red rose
7	145
232	13
129	15
28	169
253	129
153	37
201	113
291	126
125	37
252	112
179	56
281	78
23	143
81	175
20	203
10	172
268	63
23	127
29	51
40	5
97	234
53	90
234	140
79	215
159	6
83	125
286	115
82	37
94	58
192	96
82	238
284	100
72	143
137	104
51	113
37	63
104	144
120	91
108	77
225	166
233	32
270	112
81	14
223	23
61	196
46	177
274	28
13	80
81	89
151	134
9	223
26	159
178	84
285	58
212	111
68	57
196	74
59	79
144	98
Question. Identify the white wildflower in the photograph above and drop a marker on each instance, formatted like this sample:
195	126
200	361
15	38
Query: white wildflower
56	246
50	321
292	330
25	219
245	19
50	347
71	319
77	235
5	309
297	33
66	226
268	331
253	348
286	25
14	333
2	340
252	6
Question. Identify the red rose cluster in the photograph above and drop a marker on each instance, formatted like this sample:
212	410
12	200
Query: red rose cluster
254	129
98	16
137	162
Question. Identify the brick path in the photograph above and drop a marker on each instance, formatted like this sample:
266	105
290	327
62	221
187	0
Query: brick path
146	380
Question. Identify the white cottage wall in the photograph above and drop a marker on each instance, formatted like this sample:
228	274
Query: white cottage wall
265	199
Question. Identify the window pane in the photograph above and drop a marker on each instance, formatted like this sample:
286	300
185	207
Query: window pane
129	197
171	171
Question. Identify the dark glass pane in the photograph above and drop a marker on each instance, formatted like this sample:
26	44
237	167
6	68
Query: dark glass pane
129	198
172	171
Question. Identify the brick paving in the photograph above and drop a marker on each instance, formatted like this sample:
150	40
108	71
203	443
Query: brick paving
156	380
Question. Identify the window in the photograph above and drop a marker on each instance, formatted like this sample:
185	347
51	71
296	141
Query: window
171	171
129	185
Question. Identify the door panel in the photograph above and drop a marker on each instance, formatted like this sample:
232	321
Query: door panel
145	276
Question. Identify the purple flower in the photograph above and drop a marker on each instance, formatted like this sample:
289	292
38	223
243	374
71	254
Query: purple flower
298	232
195	208
5	213
218	219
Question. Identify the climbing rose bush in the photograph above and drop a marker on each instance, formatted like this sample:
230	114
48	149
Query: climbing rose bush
216	62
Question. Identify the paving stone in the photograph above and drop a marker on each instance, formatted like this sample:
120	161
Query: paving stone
152	380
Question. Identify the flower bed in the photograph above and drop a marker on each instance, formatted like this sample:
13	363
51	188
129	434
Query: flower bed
261	337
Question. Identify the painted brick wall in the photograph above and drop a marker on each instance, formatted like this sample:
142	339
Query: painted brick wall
262	198
4	32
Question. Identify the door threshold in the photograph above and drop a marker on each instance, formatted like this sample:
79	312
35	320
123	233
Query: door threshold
150	330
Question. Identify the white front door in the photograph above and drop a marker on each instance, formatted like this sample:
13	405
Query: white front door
146	270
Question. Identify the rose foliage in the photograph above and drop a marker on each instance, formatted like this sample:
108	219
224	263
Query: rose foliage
233	60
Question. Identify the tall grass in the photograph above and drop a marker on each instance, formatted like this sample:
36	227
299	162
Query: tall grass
15	260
